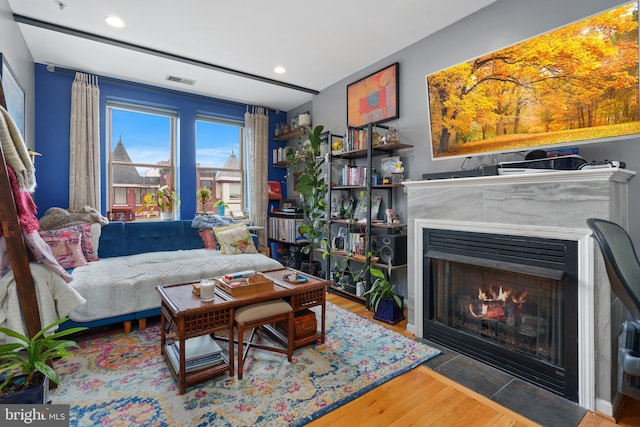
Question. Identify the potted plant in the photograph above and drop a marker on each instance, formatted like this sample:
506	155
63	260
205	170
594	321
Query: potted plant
388	306
308	163
25	368
203	195
221	205
164	198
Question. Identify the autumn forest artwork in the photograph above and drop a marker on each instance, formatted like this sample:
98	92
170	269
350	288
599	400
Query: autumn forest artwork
573	84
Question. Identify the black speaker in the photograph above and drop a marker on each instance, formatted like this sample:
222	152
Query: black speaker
393	248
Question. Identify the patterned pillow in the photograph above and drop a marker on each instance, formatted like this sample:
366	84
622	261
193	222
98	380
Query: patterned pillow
236	240
42	253
66	247
208	239
85	235
217	230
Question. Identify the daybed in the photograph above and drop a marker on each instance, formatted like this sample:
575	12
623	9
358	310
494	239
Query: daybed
135	257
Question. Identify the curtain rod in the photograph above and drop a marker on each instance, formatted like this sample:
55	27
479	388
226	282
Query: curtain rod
113	42
59	69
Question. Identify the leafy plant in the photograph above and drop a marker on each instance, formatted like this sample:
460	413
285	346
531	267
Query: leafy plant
32	355
219	203
312	186
381	288
203	195
163	198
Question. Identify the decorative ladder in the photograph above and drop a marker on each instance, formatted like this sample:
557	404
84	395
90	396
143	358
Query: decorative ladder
16	247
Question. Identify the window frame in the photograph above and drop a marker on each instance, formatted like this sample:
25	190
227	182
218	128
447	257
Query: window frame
228	122
172	115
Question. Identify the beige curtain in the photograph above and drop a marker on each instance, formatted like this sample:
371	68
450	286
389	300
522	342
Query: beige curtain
256	145
84	171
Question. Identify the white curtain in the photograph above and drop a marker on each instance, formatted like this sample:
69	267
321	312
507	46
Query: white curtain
256	145
84	171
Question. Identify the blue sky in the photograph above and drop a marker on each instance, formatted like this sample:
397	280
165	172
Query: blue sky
146	138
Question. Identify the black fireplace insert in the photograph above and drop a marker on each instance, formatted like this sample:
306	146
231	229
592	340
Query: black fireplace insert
508	301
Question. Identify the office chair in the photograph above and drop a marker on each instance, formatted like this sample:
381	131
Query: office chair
623	270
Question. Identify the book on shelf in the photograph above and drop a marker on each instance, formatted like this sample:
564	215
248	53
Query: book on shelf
200	346
190	366
213	357
200	352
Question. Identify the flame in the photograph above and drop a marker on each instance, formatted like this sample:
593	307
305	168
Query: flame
520	299
483	311
501	295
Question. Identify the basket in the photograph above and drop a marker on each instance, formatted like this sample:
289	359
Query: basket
255	283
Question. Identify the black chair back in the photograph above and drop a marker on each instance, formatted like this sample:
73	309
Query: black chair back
621	262
623	270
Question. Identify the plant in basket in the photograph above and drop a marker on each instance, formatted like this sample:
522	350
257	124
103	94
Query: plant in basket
388	306
25	366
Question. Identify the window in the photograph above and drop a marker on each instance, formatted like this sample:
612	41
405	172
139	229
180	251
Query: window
219	161
141	154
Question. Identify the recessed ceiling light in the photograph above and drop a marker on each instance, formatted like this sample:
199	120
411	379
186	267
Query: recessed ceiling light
280	69
114	21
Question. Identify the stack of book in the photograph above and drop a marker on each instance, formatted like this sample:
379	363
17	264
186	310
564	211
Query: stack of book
200	352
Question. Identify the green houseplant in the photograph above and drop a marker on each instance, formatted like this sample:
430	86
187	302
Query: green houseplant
203	195
25	369
163	198
388	306
307	163
221	205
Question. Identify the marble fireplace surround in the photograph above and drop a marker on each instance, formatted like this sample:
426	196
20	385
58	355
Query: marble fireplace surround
548	205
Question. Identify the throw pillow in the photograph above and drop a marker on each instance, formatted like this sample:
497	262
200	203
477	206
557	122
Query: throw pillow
217	230
208	239
66	247
96	231
236	240
86	241
42	252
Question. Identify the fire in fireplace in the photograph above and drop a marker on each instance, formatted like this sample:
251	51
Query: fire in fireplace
509	301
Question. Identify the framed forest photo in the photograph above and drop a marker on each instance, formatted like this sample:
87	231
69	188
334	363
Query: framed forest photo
373	99
573	85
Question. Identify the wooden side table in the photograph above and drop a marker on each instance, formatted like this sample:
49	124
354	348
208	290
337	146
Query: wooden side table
188	316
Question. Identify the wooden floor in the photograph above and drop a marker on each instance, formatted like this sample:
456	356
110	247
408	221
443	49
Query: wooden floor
422	397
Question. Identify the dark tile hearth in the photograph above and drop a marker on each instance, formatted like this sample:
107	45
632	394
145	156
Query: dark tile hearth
506	390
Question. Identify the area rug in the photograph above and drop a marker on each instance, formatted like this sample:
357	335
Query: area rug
118	379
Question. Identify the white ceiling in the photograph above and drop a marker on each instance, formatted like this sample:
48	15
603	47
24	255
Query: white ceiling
319	42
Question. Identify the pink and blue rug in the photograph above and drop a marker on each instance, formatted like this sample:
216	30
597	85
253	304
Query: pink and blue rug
122	380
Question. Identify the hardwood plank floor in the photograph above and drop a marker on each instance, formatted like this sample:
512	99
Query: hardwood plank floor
422	397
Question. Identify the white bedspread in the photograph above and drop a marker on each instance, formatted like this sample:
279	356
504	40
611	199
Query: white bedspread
123	285
56	298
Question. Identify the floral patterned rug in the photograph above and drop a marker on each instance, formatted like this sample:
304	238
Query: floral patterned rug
118	379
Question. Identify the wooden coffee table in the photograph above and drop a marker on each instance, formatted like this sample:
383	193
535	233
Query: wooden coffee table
190	317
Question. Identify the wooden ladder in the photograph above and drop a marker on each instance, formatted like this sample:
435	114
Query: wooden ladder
16	247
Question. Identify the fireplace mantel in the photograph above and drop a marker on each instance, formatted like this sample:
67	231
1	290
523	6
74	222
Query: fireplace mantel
546	204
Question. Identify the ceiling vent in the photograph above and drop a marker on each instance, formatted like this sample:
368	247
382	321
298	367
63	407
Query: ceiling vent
181	80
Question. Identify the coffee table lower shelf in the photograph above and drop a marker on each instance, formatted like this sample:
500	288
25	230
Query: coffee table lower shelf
196	376
297	343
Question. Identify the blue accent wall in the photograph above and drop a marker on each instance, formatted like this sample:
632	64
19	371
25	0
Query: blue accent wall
52	123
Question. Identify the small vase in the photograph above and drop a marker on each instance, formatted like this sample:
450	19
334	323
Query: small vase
221	210
166	216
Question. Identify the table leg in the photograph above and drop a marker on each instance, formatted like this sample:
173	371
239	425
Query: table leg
322	327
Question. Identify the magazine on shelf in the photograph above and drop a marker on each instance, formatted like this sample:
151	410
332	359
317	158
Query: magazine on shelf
170	350
197	347
196	360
